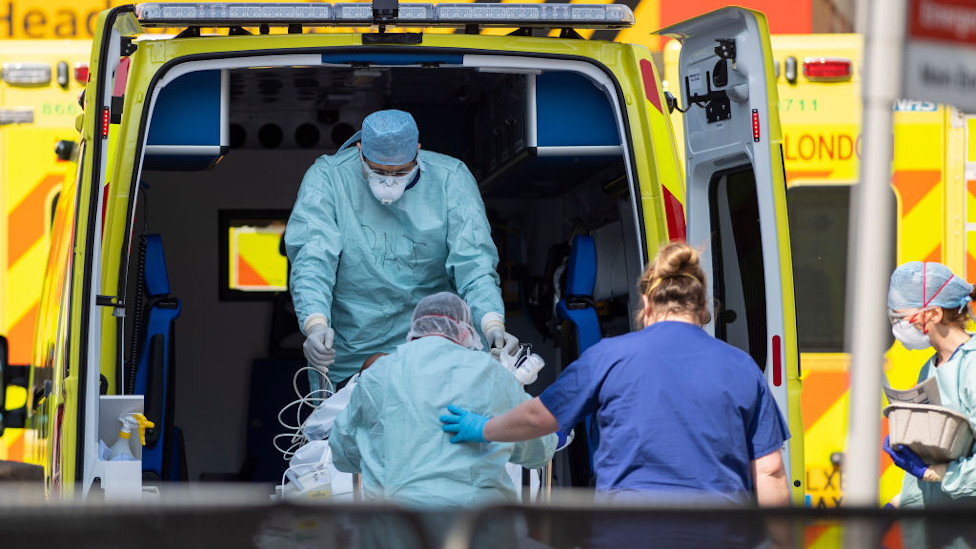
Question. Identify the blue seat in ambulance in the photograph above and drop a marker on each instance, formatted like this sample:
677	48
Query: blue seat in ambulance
581	330
576	305
602	268
163	457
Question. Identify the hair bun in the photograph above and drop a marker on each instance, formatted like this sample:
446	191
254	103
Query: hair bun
674	283
676	259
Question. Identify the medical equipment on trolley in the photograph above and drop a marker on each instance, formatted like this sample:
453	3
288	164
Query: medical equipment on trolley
311	475
524	365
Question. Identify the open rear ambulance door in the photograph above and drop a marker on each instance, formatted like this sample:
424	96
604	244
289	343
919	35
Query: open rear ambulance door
736	198
79	439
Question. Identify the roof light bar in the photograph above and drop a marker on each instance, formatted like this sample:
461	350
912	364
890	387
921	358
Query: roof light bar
361	13
27	74
217	14
557	15
609	16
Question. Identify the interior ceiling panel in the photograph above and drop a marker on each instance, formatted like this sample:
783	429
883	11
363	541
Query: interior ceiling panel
303	87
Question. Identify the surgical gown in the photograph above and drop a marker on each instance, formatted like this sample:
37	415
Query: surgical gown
365	265
390	431
957	389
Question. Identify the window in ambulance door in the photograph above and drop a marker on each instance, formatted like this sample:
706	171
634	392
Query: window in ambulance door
737	262
818	237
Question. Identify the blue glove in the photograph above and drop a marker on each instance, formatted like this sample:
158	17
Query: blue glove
905	458
469	426
563	439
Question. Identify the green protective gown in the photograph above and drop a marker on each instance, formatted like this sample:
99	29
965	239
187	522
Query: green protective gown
364	266
391	432
957	387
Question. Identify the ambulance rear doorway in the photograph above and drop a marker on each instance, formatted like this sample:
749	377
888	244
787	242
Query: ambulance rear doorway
544	145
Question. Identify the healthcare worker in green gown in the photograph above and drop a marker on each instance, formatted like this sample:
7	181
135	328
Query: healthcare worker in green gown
930	307
375	228
390	433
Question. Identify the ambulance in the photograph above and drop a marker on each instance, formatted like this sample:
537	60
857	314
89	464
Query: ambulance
40	84
819	79
164	292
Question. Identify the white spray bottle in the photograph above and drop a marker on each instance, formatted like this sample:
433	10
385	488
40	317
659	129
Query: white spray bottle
131	422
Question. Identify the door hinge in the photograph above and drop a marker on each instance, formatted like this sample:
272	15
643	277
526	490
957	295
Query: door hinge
111	301
725	48
127	46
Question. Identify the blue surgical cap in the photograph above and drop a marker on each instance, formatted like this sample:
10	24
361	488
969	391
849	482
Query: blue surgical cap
390	138
916	284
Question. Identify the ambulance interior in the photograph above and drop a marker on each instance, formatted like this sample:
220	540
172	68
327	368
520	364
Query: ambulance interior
237	344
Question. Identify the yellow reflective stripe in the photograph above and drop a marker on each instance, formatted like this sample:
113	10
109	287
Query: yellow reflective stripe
24	281
971	143
822	537
12	445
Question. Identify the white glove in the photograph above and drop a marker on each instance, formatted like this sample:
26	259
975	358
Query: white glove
499	341
318	347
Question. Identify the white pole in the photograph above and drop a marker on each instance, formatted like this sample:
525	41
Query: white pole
861	16
870	252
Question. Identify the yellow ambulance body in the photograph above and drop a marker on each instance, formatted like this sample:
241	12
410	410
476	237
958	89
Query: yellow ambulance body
39	91
819	79
537	171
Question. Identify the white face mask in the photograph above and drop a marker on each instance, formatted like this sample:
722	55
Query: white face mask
910	336
387	188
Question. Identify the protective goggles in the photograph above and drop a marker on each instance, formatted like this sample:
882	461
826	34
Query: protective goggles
403	172
894	317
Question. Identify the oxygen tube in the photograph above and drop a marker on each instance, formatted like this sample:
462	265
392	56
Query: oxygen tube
131	422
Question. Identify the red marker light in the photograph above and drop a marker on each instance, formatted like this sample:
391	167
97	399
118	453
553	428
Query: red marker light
106	118
777	362
827	68
755	125
81	73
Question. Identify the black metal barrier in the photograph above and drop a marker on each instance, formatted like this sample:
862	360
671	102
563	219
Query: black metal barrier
212	524
203	517
605	527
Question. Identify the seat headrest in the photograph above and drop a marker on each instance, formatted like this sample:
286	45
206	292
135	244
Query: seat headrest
581	268
157	277
614	276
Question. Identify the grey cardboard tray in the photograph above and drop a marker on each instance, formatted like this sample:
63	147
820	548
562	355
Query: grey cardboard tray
937	434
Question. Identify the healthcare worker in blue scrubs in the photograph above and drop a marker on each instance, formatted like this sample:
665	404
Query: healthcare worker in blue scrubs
930	307
375	228
389	431
682	415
